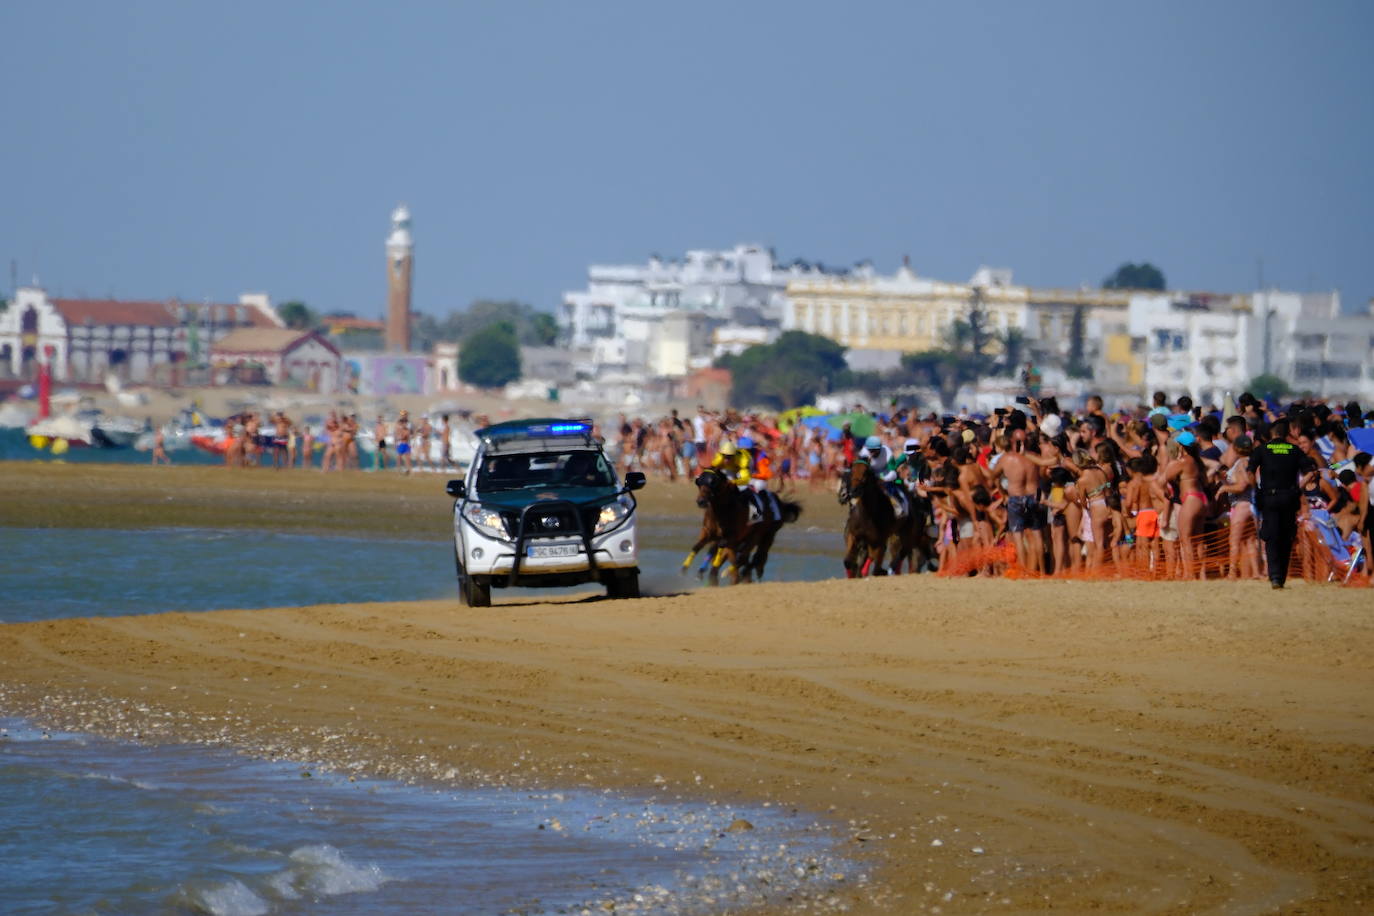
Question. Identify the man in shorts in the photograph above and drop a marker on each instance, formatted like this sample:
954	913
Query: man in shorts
1020	469
404	460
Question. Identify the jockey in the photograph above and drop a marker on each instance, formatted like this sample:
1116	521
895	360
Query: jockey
733	462
886	466
760	472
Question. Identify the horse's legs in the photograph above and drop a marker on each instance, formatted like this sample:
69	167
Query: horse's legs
851	556
722	551
696	548
875	559
760	558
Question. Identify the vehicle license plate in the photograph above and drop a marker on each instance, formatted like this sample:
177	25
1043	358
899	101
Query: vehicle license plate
535	552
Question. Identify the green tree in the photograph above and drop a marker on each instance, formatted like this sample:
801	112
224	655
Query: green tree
533	328
490	357
964	358
1013	343
298	316
1269	386
1136	276
945	370
789	372
542	330
1077	367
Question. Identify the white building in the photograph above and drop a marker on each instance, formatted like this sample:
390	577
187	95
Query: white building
1209	347
628	304
86	339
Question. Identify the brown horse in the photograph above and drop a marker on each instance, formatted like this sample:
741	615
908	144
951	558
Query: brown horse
786	511
911	543
872	521
727	527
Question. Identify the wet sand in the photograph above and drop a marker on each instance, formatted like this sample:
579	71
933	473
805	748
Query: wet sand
980	745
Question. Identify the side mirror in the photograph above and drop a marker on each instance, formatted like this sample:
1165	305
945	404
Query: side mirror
635	480
455	489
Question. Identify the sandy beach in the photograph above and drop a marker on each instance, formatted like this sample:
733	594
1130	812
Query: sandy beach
979	745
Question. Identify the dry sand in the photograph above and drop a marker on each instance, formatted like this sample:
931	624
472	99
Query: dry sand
979	745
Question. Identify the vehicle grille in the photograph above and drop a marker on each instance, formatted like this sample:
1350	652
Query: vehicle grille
545	524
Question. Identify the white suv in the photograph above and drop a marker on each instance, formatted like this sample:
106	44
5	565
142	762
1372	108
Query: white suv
541	507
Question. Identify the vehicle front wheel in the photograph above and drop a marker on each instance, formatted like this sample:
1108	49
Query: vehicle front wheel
475	593
623	586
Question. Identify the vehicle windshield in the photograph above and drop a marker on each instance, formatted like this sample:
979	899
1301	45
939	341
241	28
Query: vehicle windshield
583	468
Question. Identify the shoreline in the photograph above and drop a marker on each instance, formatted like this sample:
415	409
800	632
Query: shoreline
1065	730
1123	745
358	504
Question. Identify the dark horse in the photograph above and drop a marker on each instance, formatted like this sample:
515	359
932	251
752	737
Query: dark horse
911	543
727	529
871	524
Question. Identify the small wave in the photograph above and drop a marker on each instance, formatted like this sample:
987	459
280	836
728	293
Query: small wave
322	871
233	898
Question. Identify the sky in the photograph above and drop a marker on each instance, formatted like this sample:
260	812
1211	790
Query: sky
201	150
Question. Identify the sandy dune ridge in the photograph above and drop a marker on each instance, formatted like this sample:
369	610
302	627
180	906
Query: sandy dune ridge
1078	746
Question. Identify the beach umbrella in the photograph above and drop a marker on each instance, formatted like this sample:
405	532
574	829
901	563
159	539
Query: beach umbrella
861	425
1362	438
790	418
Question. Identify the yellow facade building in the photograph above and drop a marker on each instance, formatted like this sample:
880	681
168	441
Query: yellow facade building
909	313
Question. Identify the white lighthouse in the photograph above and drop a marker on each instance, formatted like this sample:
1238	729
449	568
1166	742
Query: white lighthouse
400	257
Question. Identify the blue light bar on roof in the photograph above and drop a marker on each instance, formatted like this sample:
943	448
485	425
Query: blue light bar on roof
538	430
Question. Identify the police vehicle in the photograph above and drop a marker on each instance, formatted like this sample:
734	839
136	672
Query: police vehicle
541	507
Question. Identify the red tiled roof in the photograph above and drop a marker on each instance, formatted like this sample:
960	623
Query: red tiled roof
114	311
349	323
265	340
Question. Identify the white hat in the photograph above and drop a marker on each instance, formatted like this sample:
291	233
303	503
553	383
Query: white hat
910	445
1052	425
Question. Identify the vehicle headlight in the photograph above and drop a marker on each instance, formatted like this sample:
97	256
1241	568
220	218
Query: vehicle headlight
613	514
486	520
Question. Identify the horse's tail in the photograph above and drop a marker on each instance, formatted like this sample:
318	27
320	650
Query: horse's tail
791	511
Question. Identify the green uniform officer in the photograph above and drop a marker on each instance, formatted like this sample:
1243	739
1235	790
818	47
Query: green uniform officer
1280	464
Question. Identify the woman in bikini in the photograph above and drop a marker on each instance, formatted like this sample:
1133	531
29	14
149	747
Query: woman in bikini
1093	483
1240	487
1186	470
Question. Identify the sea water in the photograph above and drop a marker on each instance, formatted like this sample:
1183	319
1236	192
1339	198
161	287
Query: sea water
46	573
99	827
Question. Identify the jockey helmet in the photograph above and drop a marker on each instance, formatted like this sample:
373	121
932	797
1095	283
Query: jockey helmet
746	442
727	448
911	446
873	443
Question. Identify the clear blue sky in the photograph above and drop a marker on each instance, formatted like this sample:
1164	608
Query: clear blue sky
153	149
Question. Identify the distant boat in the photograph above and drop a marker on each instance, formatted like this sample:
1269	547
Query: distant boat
47	433
116	432
214	440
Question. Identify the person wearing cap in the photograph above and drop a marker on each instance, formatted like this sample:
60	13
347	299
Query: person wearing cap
880	458
1279	464
732	462
760	472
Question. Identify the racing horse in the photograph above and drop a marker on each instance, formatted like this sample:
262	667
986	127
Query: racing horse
871	524
911	542
727	528
784	512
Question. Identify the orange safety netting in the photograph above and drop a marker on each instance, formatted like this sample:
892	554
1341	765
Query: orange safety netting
1210	558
